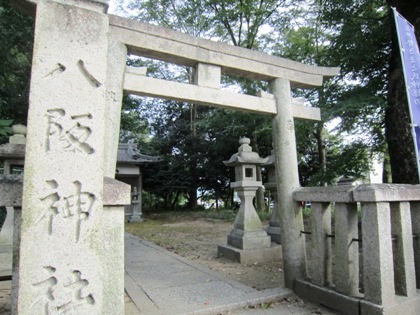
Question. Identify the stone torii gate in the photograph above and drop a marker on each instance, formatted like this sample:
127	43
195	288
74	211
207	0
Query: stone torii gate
78	76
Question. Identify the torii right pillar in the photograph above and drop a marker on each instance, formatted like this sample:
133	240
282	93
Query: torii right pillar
287	179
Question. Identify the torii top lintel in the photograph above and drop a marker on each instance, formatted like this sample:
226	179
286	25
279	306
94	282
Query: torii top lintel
210	59
164	44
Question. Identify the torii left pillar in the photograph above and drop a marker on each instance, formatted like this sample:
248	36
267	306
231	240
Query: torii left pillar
63	251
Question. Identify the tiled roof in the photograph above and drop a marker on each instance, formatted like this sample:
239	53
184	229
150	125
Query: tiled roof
126	154
130	155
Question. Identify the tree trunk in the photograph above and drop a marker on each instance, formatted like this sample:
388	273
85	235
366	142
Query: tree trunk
175	201
397	118
192	198
319	135
192	193
322	156
386	170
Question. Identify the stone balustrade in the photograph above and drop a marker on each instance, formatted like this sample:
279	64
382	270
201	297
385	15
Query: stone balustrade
363	247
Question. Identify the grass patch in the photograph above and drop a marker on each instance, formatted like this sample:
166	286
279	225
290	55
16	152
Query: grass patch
184	234
174	216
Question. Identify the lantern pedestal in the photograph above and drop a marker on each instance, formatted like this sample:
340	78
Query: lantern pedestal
274	224
248	242
247	230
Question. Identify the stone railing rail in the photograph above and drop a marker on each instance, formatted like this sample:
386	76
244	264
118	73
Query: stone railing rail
382	244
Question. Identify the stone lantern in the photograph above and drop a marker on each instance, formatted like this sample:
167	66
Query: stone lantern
135	206
274	227
248	242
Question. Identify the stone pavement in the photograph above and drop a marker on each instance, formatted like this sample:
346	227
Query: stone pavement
158	281
5	306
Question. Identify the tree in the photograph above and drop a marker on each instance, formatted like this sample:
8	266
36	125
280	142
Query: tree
219	130
398	129
363	37
203	18
319	151
240	22
16	40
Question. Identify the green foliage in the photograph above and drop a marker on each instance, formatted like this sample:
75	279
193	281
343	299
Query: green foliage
133	127
193	141
240	22
171	216
16	40
222	214
5	127
360	43
352	160
306	212
191	17
344	158
264	215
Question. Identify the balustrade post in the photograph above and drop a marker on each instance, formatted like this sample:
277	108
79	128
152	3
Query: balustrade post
415	222
405	284
116	195
321	261
346	271
378	269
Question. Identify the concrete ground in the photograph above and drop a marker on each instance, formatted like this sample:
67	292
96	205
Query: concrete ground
159	282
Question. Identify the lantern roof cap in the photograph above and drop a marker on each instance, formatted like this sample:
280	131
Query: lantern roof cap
270	160
245	155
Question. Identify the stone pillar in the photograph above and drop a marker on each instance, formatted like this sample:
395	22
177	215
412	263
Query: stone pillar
62	257
117	56
287	179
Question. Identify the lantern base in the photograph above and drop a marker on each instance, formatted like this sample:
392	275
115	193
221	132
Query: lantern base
274	232
241	256
249	240
135	219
